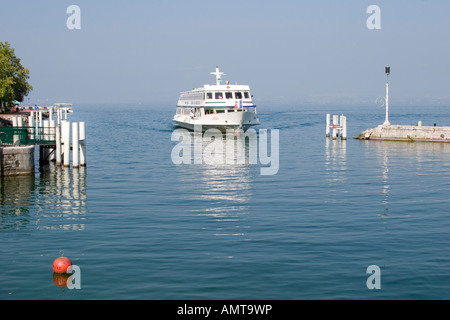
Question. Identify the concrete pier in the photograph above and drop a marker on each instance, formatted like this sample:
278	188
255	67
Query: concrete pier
407	133
17	160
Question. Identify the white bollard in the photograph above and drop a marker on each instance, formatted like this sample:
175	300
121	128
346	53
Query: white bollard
82	144
75	145
328	125
58	144
66	133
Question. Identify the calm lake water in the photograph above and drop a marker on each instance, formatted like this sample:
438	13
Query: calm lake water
140	227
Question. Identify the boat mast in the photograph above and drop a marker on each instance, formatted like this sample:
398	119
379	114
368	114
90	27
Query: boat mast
218	76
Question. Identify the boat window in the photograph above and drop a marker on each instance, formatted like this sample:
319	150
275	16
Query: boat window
209	95
220	111
246	95
228	95
238	95
219	95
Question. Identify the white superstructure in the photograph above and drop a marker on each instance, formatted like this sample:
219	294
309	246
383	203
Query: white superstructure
220	106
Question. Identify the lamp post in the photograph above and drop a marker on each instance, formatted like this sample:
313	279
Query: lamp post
387	71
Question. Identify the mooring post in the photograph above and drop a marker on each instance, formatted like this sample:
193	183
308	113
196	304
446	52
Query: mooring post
52	136
344	127
328	125
82	144
75	145
335	124
58	144
66	130
30	121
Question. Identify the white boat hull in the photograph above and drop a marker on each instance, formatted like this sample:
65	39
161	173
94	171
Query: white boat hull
222	122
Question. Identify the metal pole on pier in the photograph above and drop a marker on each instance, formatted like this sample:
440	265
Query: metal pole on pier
388	71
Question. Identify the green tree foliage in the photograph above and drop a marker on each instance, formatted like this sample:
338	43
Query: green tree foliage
13	77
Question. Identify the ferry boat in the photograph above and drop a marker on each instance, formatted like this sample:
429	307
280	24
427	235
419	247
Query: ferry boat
220	106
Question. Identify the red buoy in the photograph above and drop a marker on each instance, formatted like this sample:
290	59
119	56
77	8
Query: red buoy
61	264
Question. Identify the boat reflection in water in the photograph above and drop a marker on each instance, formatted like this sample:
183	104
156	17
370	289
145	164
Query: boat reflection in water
54	199
219	187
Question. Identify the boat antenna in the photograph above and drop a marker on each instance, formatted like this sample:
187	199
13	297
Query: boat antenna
218	75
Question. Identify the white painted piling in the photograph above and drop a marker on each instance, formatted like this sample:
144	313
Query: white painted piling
46	129
58	144
75	145
14	121
52	135
344	127
328	125
82	138
66	142
335	124
339	126
19	122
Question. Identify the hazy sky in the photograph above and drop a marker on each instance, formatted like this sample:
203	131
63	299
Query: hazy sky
289	51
